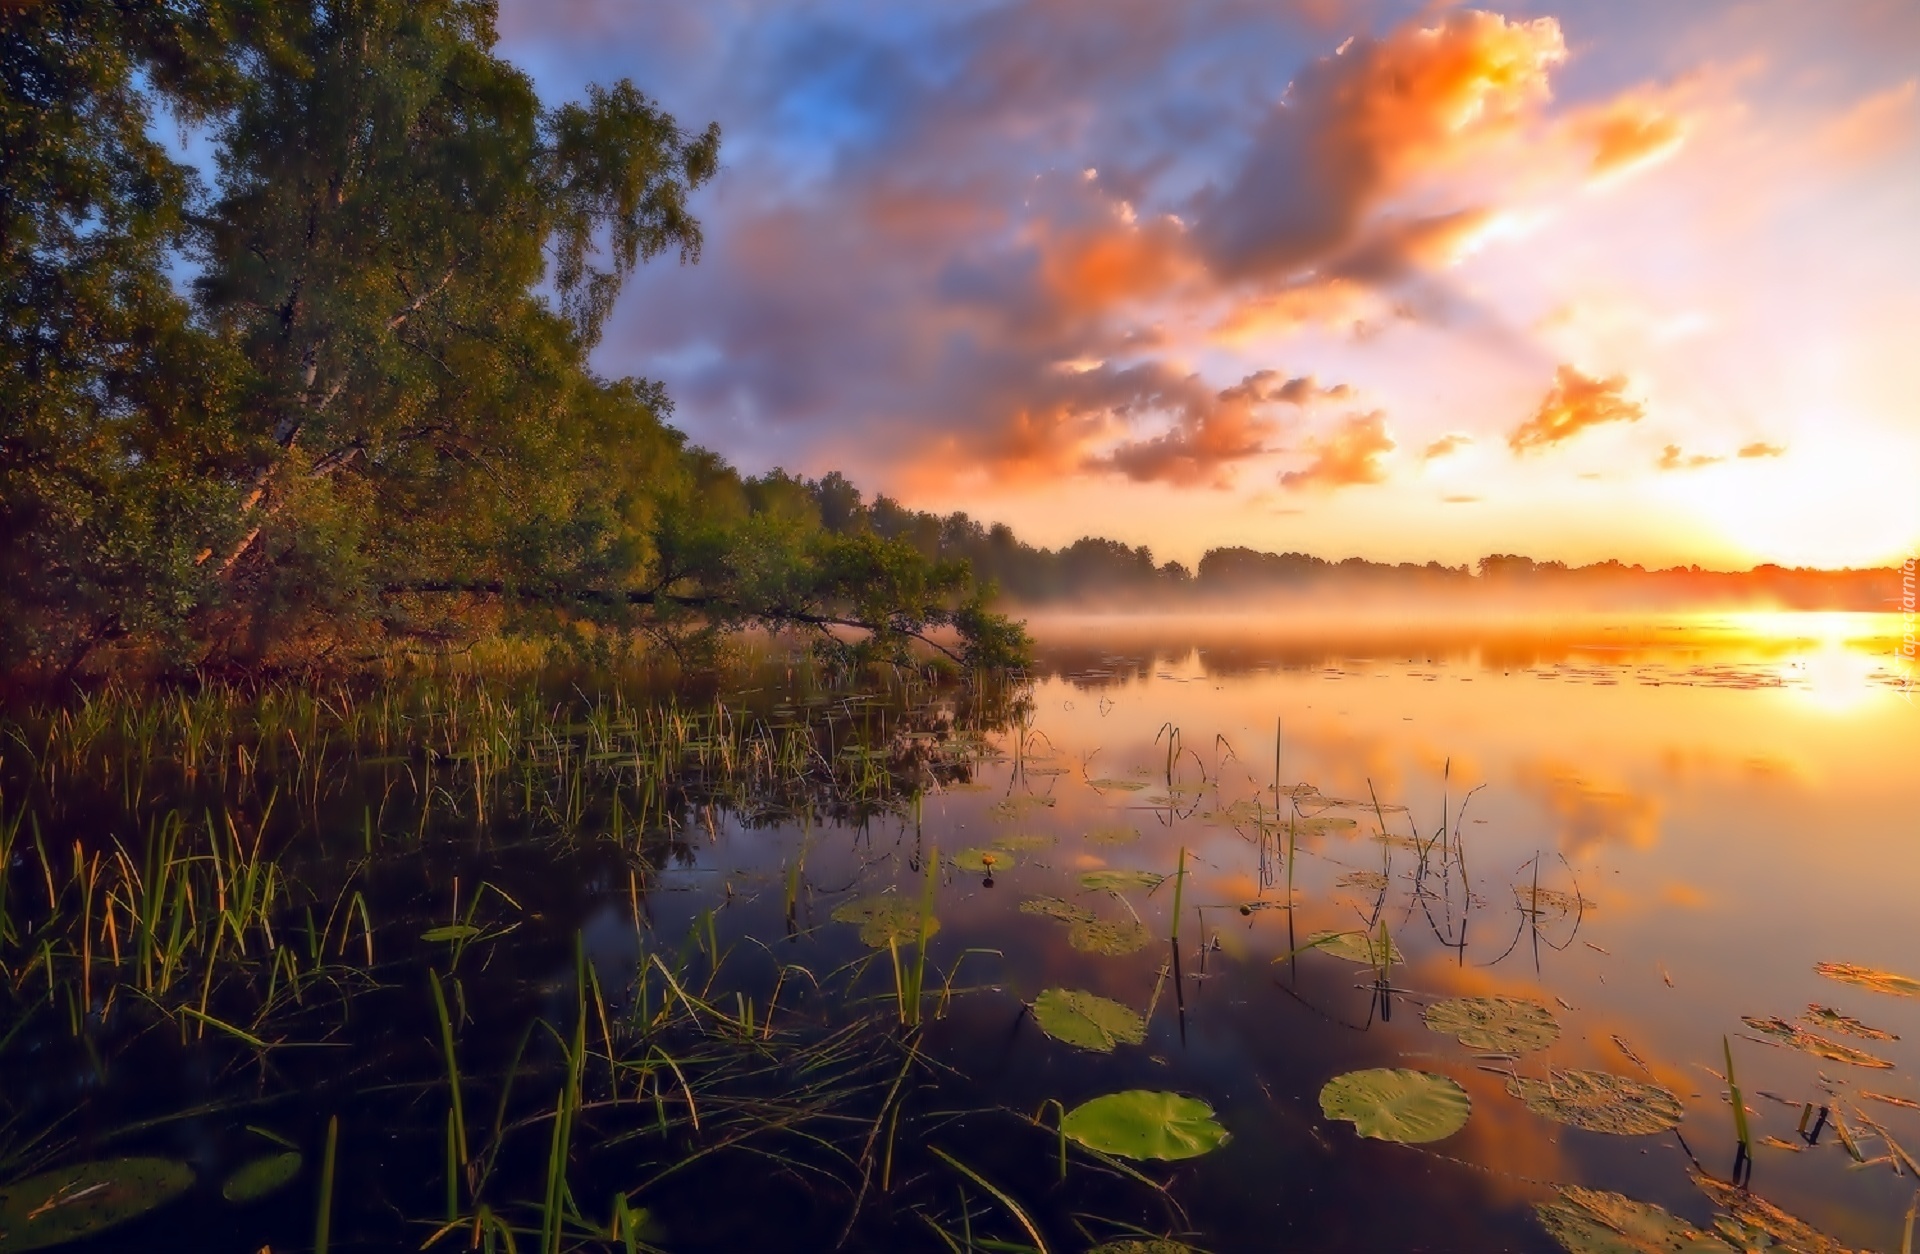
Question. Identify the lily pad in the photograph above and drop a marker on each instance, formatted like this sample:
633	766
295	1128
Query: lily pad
1141	1123
1113	834
1014	807
1868	978
1133	1245
1022	844
1119	881
1087	1020
885	920
67	1204
262	1176
988	860
1118	785
1507	1025
450	932
1365	881
1361	947
1397	1104
1819	1046
1111	937
1055	908
1753	1223
1590	1221
1831	1019
1599	1101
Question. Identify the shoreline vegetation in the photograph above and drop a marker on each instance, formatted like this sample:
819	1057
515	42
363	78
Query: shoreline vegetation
330	393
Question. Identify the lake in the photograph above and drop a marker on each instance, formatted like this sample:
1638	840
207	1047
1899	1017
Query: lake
479	959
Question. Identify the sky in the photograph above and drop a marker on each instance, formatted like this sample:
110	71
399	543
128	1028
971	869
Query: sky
1624	279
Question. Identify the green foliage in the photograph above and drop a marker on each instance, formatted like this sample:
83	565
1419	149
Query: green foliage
1141	1123
1397	1104
372	414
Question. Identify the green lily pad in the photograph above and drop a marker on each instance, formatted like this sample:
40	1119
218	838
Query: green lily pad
1397	1104
262	1176
64	1205
1087	1020
1868	978
987	860
1118	785
885	920
1361	947
1133	1245
1119	881
1365	881
1140	1123
1589	1221
1111	937
1113	834
1599	1101
1507	1025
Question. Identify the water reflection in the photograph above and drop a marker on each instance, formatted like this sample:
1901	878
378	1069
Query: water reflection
1671	822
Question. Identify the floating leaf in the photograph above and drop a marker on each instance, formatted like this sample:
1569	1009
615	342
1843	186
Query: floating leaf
885	920
1111	937
1831	1019
1361	947
1158	1245
1599	1101
1086	931
1834	1051
1087	1020
260	1177
1014	807
1140	1123
1113	834
1055	908
1397	1104
1366	881
1868	978
1589	1221
1324	825
56	1207
1753	1223
987	860
1118	785
1819	1046
1549	903
1507	1025
450	932
1120	881
1022	844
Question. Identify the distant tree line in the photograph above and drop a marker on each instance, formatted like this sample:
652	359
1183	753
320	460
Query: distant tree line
1103	571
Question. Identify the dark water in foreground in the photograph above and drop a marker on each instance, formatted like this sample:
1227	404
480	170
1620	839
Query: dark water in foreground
1655	832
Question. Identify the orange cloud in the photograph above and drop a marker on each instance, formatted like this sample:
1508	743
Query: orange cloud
1875	125
1760	448
1577	401
1357	127
1445	446
1350	456
1634	130
1673	459
1093	270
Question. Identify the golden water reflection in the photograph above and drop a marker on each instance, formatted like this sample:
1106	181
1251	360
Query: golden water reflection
1708	806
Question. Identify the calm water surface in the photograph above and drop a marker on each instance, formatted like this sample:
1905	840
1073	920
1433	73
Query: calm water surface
1711	806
